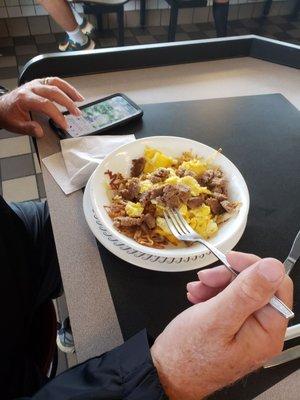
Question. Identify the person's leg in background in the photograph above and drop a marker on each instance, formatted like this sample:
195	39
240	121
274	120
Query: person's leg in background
29	277
220	13
72	23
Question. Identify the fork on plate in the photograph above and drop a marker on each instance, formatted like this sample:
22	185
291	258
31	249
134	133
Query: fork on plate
183	231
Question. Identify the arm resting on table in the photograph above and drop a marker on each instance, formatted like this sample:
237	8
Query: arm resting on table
126	372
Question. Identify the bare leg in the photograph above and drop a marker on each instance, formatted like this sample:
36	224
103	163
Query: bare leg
220	13
61	12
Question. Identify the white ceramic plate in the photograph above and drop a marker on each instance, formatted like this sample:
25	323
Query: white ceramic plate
143	259
120	161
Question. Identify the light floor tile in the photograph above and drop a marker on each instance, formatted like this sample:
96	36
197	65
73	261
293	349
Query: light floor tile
20	189
14	146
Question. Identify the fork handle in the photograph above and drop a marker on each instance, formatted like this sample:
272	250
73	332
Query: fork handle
275	302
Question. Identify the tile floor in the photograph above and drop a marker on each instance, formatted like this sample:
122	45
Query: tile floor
20	173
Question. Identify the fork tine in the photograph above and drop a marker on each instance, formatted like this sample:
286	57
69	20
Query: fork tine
171	226
174	222
175	213
186	226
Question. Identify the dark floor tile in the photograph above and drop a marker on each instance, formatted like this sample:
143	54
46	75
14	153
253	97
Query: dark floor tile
257	31
286	27
188	28
7	51
161	38
24	49
130	41
197	35
22	40
240	31
7	134
278	19
6	41
16	167
179	29
108	42
251	23
295	41
139	31
272	28
295	33
8	72
47	38
146	39
210	33
157	30
181	36
107	34
236	24
263	21
40	185
283	36
127	33
22	60
60	36
206	26
47	48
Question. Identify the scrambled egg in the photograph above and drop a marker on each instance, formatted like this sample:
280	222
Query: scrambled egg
163	230
195	165
156	159
200	218
134	209
145	185
190	182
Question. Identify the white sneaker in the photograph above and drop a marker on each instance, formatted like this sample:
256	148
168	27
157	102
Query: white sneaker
69	45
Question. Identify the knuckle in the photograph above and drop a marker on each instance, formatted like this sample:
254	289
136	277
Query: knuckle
21	96
249	292
45	102
54	80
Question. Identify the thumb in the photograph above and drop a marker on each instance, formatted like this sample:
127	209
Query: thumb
30	128
250	290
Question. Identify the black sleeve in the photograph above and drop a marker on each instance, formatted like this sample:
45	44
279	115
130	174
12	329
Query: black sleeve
127	372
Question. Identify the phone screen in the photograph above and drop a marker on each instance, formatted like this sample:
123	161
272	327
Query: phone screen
100	115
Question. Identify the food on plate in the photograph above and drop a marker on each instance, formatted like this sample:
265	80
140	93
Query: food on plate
193	185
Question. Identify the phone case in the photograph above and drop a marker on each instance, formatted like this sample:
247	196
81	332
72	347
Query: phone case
64	134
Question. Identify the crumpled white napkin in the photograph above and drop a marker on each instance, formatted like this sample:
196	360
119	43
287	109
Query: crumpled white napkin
79	157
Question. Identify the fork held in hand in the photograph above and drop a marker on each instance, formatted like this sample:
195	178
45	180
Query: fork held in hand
182	231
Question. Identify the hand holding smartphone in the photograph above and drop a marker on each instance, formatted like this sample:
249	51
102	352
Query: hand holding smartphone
99	116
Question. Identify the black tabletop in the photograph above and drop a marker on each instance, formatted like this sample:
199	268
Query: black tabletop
261	135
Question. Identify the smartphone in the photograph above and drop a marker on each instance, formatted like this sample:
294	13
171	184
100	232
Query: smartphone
99	116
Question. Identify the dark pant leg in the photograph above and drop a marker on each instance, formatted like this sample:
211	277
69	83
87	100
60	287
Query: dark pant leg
36	218
29	275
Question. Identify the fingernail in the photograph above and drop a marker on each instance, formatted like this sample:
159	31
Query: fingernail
270	269
191	285
78	112
81	98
